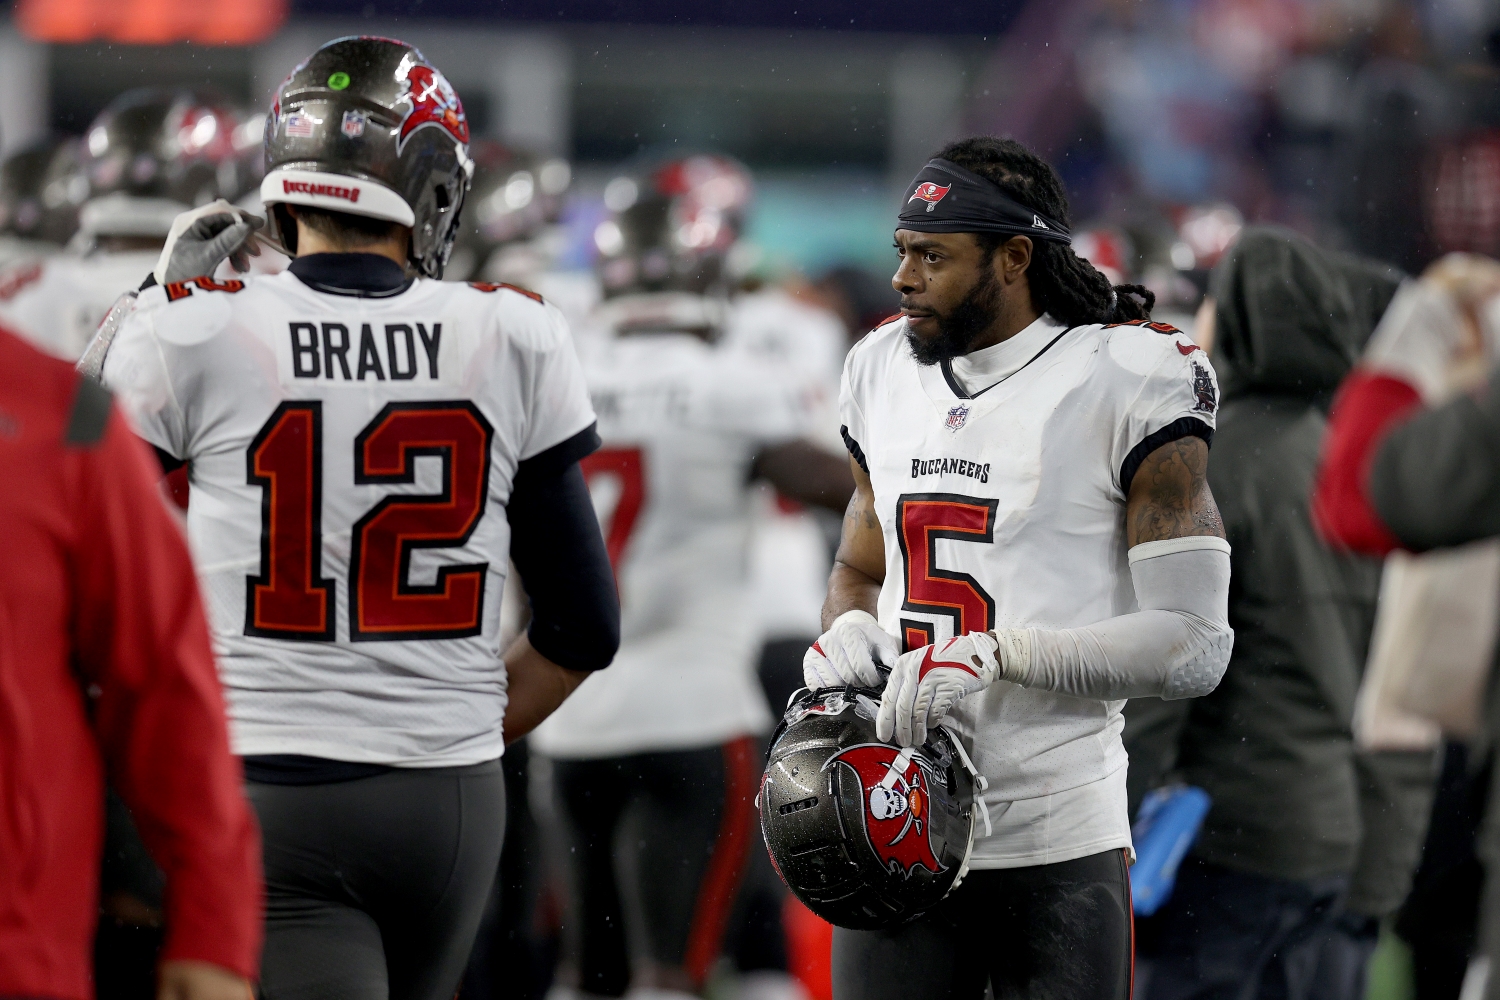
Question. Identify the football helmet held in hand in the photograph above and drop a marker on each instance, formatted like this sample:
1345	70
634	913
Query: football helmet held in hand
866	834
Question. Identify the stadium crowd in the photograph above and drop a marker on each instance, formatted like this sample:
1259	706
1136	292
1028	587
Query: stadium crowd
495	658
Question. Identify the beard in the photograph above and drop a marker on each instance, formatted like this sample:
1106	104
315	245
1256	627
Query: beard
962	325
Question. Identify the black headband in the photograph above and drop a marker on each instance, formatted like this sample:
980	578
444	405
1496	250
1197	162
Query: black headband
946	198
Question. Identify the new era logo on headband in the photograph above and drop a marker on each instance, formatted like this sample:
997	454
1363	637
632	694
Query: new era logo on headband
1037	223
930	193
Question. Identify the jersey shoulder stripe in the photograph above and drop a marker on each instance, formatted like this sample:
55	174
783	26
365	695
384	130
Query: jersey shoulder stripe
495	286
1166	328
1143	346
1180	428
178	290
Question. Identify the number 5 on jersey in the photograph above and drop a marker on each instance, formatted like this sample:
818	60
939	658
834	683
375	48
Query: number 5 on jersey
290	599
923	518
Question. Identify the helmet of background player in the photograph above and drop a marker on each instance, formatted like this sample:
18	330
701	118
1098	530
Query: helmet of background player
366	126
515	195
671	228
1108	249
64	190
250	153
40	191
153	152
866	834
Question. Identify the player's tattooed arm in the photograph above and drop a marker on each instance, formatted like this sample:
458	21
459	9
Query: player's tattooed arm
859	566
1170	498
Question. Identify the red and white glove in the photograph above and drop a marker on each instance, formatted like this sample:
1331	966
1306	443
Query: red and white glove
926	683
848	653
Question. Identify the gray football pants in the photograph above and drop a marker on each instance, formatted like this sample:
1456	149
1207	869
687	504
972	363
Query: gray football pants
375	887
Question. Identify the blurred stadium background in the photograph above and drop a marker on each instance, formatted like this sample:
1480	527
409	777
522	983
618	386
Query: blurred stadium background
1371	125
1364	123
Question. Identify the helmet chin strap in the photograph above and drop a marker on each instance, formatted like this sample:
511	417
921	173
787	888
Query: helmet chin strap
981	785
897	770
980	782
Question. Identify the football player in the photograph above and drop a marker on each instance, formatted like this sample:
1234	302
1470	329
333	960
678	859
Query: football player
792	546
512	232
508	233
36	214
1031	542
655	763
367	445
150	154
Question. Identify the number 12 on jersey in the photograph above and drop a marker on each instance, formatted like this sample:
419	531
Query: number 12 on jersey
922	519
291	599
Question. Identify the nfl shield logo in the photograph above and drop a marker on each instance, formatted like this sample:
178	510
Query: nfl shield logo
957	416
354	124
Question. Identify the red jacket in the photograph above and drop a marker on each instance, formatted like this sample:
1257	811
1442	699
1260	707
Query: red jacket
1367	407
105	664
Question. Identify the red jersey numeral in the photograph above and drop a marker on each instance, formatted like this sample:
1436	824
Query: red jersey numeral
289	599
180	290
923	518
627	466
382	604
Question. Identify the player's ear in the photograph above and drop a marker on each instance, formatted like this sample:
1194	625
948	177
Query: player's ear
1012	259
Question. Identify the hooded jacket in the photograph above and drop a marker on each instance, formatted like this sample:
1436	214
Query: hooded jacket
1273	745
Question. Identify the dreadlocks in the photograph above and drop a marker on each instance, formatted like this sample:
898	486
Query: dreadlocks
1062	283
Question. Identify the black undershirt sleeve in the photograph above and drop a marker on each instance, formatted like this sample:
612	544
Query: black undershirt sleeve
559	552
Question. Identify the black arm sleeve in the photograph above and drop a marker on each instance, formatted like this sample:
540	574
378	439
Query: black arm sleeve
1435	480
559	551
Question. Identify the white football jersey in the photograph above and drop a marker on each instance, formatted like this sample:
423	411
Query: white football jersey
791	555
998	484
58	302
810	342
351	461
681	422
18	250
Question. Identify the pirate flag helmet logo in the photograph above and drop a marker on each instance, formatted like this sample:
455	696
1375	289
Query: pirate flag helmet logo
929	192
867	835
432	101
897	808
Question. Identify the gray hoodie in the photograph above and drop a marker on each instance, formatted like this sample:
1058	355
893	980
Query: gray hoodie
1272	745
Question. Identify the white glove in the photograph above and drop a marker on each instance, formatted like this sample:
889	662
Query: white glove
200	240
926	683
848	652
